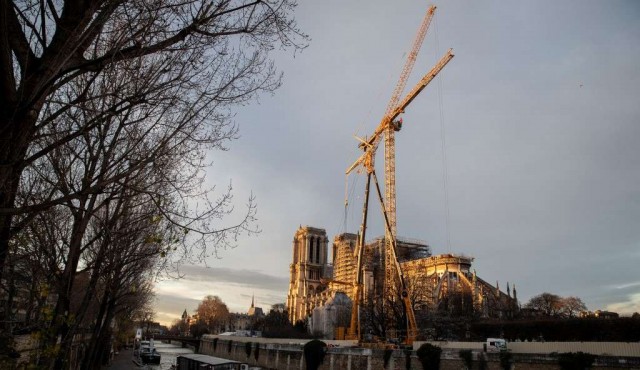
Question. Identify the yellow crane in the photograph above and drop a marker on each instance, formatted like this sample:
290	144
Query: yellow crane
387	127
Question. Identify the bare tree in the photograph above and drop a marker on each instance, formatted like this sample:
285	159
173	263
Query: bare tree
571	306
109	106
213	313
556	306
123	260
215	51
119	249
547	303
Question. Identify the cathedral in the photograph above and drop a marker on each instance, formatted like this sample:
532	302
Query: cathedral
309	273
442	284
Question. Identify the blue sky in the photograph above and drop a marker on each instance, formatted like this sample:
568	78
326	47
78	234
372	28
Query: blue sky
541	123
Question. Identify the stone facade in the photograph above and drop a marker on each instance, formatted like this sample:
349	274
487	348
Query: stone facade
444	283
244	321
441	277
307	272
286	355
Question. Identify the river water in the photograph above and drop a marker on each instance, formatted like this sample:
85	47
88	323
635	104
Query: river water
169	353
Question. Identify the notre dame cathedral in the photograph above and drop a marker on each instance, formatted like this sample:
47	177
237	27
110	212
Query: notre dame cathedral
443	284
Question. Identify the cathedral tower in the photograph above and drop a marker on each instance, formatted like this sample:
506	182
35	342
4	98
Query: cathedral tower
307	268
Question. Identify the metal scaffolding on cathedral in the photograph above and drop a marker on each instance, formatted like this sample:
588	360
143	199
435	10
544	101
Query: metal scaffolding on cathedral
438	284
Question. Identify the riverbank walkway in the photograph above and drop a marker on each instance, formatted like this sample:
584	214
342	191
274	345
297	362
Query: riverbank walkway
123	361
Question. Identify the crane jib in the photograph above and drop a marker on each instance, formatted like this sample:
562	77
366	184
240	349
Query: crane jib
374	140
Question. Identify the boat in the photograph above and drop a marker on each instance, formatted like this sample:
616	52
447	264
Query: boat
198	361
148	353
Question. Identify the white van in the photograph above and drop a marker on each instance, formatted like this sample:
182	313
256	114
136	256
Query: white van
496	344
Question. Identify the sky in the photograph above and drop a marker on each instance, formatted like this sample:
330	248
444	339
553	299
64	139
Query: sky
539	117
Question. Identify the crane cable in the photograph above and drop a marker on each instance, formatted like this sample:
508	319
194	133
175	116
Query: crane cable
378	95
346	202
348	196
443	143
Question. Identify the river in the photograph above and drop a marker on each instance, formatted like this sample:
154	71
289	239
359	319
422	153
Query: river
169	353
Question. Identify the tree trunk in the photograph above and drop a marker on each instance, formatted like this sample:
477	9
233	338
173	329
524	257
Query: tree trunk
60	321
100	353
90	357
63	306
15	134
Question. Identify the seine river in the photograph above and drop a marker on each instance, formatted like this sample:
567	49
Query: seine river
169	352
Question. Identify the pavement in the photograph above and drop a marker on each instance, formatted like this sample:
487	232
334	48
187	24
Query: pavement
123	361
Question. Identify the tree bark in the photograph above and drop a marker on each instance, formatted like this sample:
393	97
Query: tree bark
15	143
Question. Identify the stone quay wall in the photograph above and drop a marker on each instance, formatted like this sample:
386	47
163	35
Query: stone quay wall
286	354
27	347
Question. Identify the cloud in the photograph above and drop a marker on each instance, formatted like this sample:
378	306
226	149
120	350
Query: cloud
235	287
542	173
628	307
628	285
240	277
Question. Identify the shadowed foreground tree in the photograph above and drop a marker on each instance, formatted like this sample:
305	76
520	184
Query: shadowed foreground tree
216	49
131	223
115	259
107	110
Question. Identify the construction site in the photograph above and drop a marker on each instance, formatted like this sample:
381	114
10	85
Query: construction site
389	287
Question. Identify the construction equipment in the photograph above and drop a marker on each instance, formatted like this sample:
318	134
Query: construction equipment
387	127
412	326
354	326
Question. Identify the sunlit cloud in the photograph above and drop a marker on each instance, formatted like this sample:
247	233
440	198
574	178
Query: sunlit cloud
538	196
235	287
627	285
627	307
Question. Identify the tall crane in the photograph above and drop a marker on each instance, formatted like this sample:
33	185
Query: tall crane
354	326
387	127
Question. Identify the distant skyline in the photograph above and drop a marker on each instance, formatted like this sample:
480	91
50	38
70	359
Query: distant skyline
542	123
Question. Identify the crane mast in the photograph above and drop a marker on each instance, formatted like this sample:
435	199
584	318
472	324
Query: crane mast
387	127
411	59
390	156
390	146
354	327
